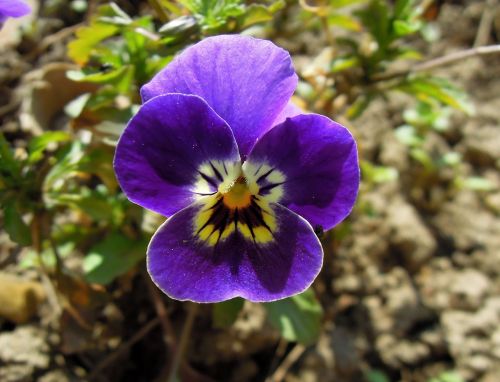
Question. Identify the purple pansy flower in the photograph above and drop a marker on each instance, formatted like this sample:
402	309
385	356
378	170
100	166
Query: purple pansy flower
13	8
243	174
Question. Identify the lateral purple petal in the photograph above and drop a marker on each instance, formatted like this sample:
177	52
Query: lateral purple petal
319	160
161	155
13	8
290	110
247	81
187	268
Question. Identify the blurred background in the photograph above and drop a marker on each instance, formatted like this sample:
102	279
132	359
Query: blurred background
410	288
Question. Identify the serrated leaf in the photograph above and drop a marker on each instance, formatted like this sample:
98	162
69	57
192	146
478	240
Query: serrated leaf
114	256
87	37
258	13
14	224
225	313
298	318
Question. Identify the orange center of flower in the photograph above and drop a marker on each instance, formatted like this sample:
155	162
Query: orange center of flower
238	195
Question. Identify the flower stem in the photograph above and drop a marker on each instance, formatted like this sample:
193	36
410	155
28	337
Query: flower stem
183	342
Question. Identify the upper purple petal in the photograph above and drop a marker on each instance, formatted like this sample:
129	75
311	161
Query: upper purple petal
159	157
13	8
187	268
247	81
318	161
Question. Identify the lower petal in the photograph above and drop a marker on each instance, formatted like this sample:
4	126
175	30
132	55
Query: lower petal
236	260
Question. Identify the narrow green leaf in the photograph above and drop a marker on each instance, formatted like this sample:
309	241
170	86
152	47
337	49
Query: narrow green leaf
8	164
344	21
427	89
344	3
402	8
342	63
225	313
15	226
298	318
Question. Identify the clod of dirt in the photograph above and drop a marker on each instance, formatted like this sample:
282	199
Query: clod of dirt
470	337
482	144
19	299
397	353
23	351
409	235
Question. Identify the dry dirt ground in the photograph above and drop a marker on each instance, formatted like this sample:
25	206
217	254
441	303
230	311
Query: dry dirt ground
412	290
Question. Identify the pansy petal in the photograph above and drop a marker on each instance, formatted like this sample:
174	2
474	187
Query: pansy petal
247	81
172	152
290	110
309	164
187	267
13	8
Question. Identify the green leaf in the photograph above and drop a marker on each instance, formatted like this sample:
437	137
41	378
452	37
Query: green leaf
65	167
225	313
377	174
402	8
8	163
342	63
344	3
38	144
376	18
429	89
448	376
376	376
87	37
298	318
404	28
75	107
359	106
258	13
345	21
114	256
14	224
179	26
477	183
407	135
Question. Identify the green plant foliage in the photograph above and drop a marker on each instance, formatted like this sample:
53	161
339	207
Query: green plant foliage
298	318
448	376
112	257
225	313
14	224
